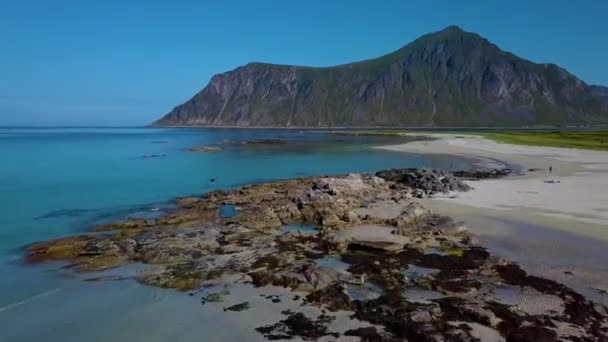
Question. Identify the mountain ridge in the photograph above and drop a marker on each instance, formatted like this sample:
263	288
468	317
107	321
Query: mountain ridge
446	78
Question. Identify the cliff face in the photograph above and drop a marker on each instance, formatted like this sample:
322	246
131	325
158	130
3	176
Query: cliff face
447	78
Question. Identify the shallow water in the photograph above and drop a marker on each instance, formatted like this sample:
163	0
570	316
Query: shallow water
334	262
420	295
295	228
227	211
60	181
414	272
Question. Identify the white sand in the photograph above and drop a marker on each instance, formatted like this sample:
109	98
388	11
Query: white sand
581	194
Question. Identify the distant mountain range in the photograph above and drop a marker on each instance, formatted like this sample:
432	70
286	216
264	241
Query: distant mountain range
445	78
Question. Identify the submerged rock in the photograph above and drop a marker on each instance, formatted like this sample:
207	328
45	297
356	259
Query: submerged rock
264	142
204	149
298	325
238	307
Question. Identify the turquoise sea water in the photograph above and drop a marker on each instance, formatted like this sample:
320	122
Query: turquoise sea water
60	181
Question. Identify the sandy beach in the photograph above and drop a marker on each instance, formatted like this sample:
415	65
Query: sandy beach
554	224
574	192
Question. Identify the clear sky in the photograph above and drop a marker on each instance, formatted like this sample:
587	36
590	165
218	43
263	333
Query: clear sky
129	62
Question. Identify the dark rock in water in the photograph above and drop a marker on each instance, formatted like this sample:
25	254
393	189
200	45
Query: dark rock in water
273	298
403	318
203	149
532	333
153	155
298	325
108	278
428	181
487	174
333	297
264	142
367	334
63	213
238	307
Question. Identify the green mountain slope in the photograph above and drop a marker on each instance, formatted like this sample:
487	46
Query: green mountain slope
446	78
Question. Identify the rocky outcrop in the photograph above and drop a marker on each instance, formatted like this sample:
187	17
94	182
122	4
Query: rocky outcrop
481	174
446	78
425	182
390	262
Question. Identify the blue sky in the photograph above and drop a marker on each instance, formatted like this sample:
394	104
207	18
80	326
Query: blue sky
129	62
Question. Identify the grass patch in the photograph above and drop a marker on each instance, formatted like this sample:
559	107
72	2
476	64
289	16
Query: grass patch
591	140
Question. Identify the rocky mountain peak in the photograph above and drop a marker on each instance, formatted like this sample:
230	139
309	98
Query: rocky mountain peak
446	78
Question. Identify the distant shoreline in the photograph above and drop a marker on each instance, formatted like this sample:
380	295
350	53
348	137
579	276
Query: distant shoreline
393	128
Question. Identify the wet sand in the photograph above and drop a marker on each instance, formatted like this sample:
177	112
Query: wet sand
576	260
555	230
123	310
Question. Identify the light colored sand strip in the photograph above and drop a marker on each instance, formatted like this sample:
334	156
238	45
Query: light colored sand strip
580	177
25	301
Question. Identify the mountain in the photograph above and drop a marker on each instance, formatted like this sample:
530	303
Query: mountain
446	78
599	90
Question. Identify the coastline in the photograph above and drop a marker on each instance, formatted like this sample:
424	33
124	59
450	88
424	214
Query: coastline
350	244
372	249
386	128
577	198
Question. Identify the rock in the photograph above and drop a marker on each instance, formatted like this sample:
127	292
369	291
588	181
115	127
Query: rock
195	248
188	202
238	307
61	249
298	325
333	297
481	314
258	217
183	277
330	220
375	237
351	217
409	216
424	181
367	334
129	224
426	314
532	334
204	149
487	174
307	276
264	142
